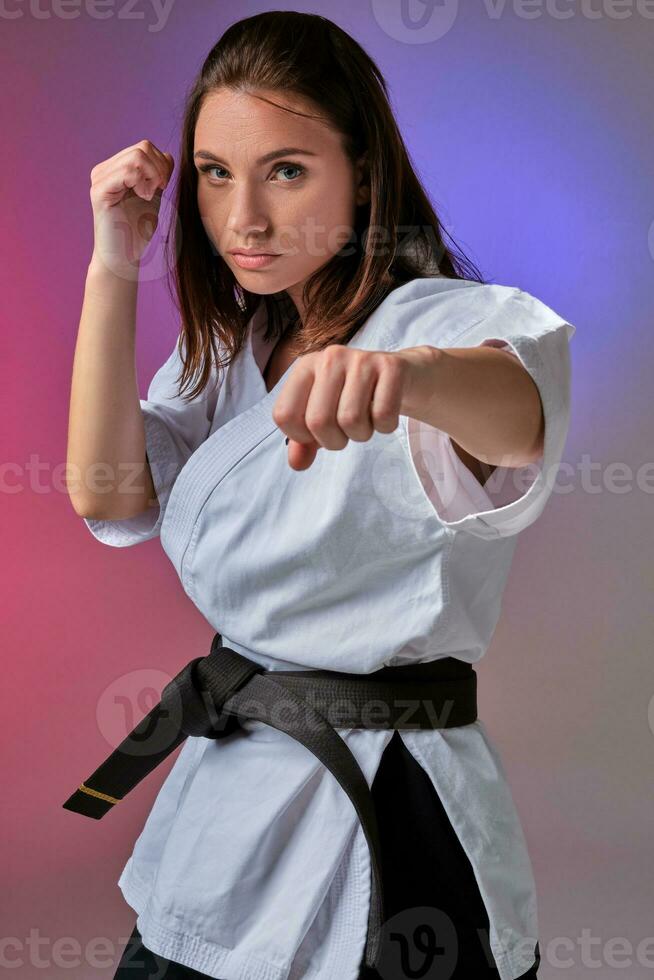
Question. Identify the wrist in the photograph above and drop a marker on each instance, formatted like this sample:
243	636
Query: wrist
419	388
112	271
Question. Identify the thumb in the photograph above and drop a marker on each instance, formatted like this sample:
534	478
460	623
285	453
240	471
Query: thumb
302	454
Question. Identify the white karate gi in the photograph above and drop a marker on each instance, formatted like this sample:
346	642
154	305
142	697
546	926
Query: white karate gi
252	863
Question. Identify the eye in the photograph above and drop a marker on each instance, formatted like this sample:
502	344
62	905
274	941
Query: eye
209	166
282	166
290	166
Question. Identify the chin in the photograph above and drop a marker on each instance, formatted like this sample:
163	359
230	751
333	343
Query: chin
263	283
255	284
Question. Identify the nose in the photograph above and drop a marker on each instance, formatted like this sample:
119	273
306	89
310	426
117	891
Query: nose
247	215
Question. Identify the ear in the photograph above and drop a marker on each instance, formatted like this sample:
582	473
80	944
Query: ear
362	180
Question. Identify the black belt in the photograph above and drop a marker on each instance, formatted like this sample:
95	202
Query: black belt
211	695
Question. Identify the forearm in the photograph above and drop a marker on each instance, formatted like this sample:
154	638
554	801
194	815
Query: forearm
481	396
105	420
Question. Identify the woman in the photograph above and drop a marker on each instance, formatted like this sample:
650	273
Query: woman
333	494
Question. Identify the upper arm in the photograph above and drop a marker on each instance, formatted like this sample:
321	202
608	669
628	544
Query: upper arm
466	493
174	428
480	470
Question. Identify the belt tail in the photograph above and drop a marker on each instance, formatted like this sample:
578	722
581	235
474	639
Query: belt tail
185	709
261	700
138	754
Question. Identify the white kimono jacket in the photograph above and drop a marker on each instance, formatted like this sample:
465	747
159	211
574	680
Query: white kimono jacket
252	862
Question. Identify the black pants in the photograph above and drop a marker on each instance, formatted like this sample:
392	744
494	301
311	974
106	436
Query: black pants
436	924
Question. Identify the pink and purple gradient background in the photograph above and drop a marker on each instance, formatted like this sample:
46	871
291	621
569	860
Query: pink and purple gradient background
533	136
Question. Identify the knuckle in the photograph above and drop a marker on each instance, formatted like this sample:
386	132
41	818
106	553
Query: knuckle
280	417
332	353
141	155
317	420
348	418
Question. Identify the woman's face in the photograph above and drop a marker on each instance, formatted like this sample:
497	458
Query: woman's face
298	203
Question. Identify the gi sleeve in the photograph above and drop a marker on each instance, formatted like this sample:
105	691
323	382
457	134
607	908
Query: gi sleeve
513	497
174	428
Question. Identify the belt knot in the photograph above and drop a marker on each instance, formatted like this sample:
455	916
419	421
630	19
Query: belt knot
194	698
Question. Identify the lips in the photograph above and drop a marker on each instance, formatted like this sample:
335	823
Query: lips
253	260
243	251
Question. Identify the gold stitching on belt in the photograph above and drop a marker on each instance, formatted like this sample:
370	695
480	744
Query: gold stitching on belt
100	796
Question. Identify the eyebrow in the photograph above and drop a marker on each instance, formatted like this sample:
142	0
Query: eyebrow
266	158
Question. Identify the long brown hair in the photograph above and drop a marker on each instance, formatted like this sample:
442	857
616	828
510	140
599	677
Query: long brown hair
397	236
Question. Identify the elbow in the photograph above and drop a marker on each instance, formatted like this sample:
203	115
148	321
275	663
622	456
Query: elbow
105	509
537	444
538	447
85	506
91	509
81	508
525	456
98	500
